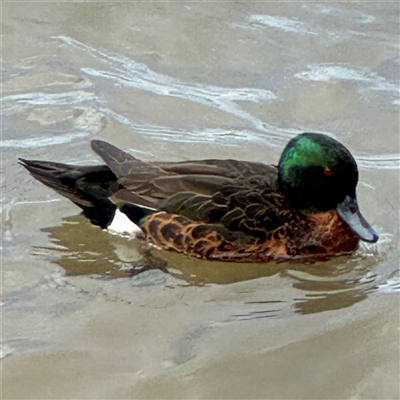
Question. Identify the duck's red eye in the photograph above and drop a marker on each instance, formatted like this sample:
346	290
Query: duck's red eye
328	171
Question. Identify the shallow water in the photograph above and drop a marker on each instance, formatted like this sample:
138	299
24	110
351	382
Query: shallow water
91	315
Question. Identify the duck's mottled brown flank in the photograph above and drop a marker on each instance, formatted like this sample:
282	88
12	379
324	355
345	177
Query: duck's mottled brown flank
327	235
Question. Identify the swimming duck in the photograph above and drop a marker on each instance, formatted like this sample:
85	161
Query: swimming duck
225	210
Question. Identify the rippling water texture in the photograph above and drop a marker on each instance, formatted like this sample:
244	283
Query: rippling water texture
91	315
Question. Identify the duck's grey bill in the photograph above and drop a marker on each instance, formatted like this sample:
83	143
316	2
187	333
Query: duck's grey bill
349	211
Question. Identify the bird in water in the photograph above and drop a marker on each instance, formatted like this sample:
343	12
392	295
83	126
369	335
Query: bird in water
225	210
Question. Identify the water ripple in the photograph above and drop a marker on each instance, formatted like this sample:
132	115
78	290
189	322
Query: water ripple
41	98
388	161
127	72
340	13
283	23
344	72
235	137
42	140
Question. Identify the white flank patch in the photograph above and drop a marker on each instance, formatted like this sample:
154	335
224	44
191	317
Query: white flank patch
123	226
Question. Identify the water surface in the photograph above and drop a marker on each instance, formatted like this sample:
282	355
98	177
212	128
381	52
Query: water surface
90	315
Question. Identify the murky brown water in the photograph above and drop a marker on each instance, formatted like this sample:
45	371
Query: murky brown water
91	315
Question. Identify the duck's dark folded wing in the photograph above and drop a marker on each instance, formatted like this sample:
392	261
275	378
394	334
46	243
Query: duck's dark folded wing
124	164
227	168
250	206
248	202
151	185
161	180
238	203
239	195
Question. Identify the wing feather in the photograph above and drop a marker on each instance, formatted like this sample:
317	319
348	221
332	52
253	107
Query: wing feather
242	196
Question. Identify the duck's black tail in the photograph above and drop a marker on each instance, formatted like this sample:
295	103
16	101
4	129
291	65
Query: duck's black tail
87	187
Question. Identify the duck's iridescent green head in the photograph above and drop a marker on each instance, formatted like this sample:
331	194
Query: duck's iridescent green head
317	173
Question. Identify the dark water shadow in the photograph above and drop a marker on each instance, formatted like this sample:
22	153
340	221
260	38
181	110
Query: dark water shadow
83	249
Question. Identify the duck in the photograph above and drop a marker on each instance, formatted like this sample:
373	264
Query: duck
226	210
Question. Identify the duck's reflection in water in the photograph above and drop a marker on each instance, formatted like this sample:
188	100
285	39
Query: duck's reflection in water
83	249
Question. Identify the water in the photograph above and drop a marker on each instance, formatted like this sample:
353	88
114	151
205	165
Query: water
87	314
